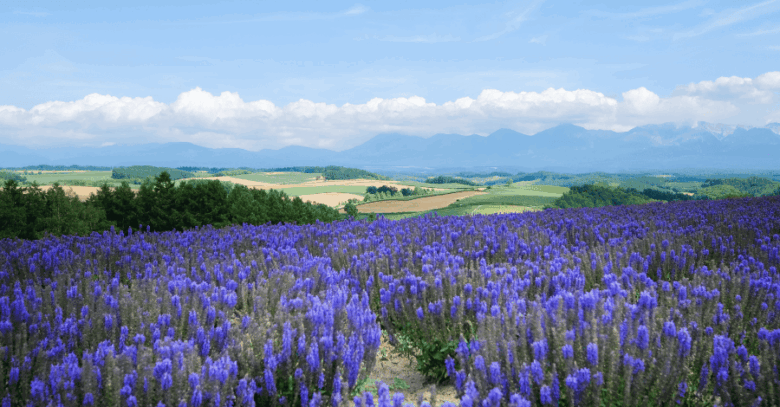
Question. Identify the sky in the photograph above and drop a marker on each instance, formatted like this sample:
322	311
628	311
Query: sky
261	74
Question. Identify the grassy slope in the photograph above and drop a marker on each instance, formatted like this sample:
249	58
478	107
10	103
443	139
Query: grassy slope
285	178
499	199
50	178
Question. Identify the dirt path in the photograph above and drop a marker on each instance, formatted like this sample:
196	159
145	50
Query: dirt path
416	205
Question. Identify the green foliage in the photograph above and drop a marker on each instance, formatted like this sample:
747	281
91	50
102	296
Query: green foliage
6	175
160	204
386	193
592	196
443	179
333	172
718	191
752	186
351	210
665	196
233	173
148	171
430	361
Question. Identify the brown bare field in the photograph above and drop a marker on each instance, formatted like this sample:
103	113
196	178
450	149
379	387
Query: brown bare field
81	192
319	183
416	205
330	198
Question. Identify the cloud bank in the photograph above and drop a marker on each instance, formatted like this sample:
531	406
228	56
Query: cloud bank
226	120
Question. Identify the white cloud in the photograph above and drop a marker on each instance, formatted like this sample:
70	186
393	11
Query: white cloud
541	40
226	120
758	90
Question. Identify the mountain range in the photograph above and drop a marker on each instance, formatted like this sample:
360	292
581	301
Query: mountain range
564	148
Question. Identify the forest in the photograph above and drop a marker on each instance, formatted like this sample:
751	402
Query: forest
159	205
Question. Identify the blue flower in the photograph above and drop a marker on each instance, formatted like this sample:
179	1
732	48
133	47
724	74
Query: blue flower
593	354
568	351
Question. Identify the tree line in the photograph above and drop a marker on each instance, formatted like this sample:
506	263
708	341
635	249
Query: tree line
159	205
148	171
592	195
445	179
332	172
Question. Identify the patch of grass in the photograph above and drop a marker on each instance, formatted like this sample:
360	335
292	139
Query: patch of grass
529	190
500	199
283	178
50	178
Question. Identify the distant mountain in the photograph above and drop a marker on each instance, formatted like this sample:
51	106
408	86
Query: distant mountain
564	148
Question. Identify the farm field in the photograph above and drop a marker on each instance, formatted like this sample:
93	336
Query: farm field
48	178
656	304
280	177
423	204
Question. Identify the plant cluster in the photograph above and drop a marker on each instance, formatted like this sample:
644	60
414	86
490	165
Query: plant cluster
333	172
12	175
148	171
444	179
231	317
31	213
388	192
233	173
652	304
655	304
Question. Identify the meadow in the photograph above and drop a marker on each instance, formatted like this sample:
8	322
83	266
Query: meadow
48	178
655	304
280	177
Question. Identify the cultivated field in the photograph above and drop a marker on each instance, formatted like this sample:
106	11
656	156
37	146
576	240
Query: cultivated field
423	204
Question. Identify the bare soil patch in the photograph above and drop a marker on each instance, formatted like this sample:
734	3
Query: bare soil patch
81	192
416	205
316	183
401	376
330	198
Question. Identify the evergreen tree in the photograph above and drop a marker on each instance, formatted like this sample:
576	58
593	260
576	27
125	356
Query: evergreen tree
12	212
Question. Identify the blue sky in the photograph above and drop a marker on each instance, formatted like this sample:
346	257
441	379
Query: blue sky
265	74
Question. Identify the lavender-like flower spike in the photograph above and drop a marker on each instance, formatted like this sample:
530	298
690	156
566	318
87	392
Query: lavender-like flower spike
593	354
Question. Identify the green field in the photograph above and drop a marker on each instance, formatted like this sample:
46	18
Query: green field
50	178
499	199
284	178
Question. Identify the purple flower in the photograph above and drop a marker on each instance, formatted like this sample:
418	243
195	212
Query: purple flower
517	400
642	337
681	389
536	372
568	351
495	373
684	342
593	354
545	395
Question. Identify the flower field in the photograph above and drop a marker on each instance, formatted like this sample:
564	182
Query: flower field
657	304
